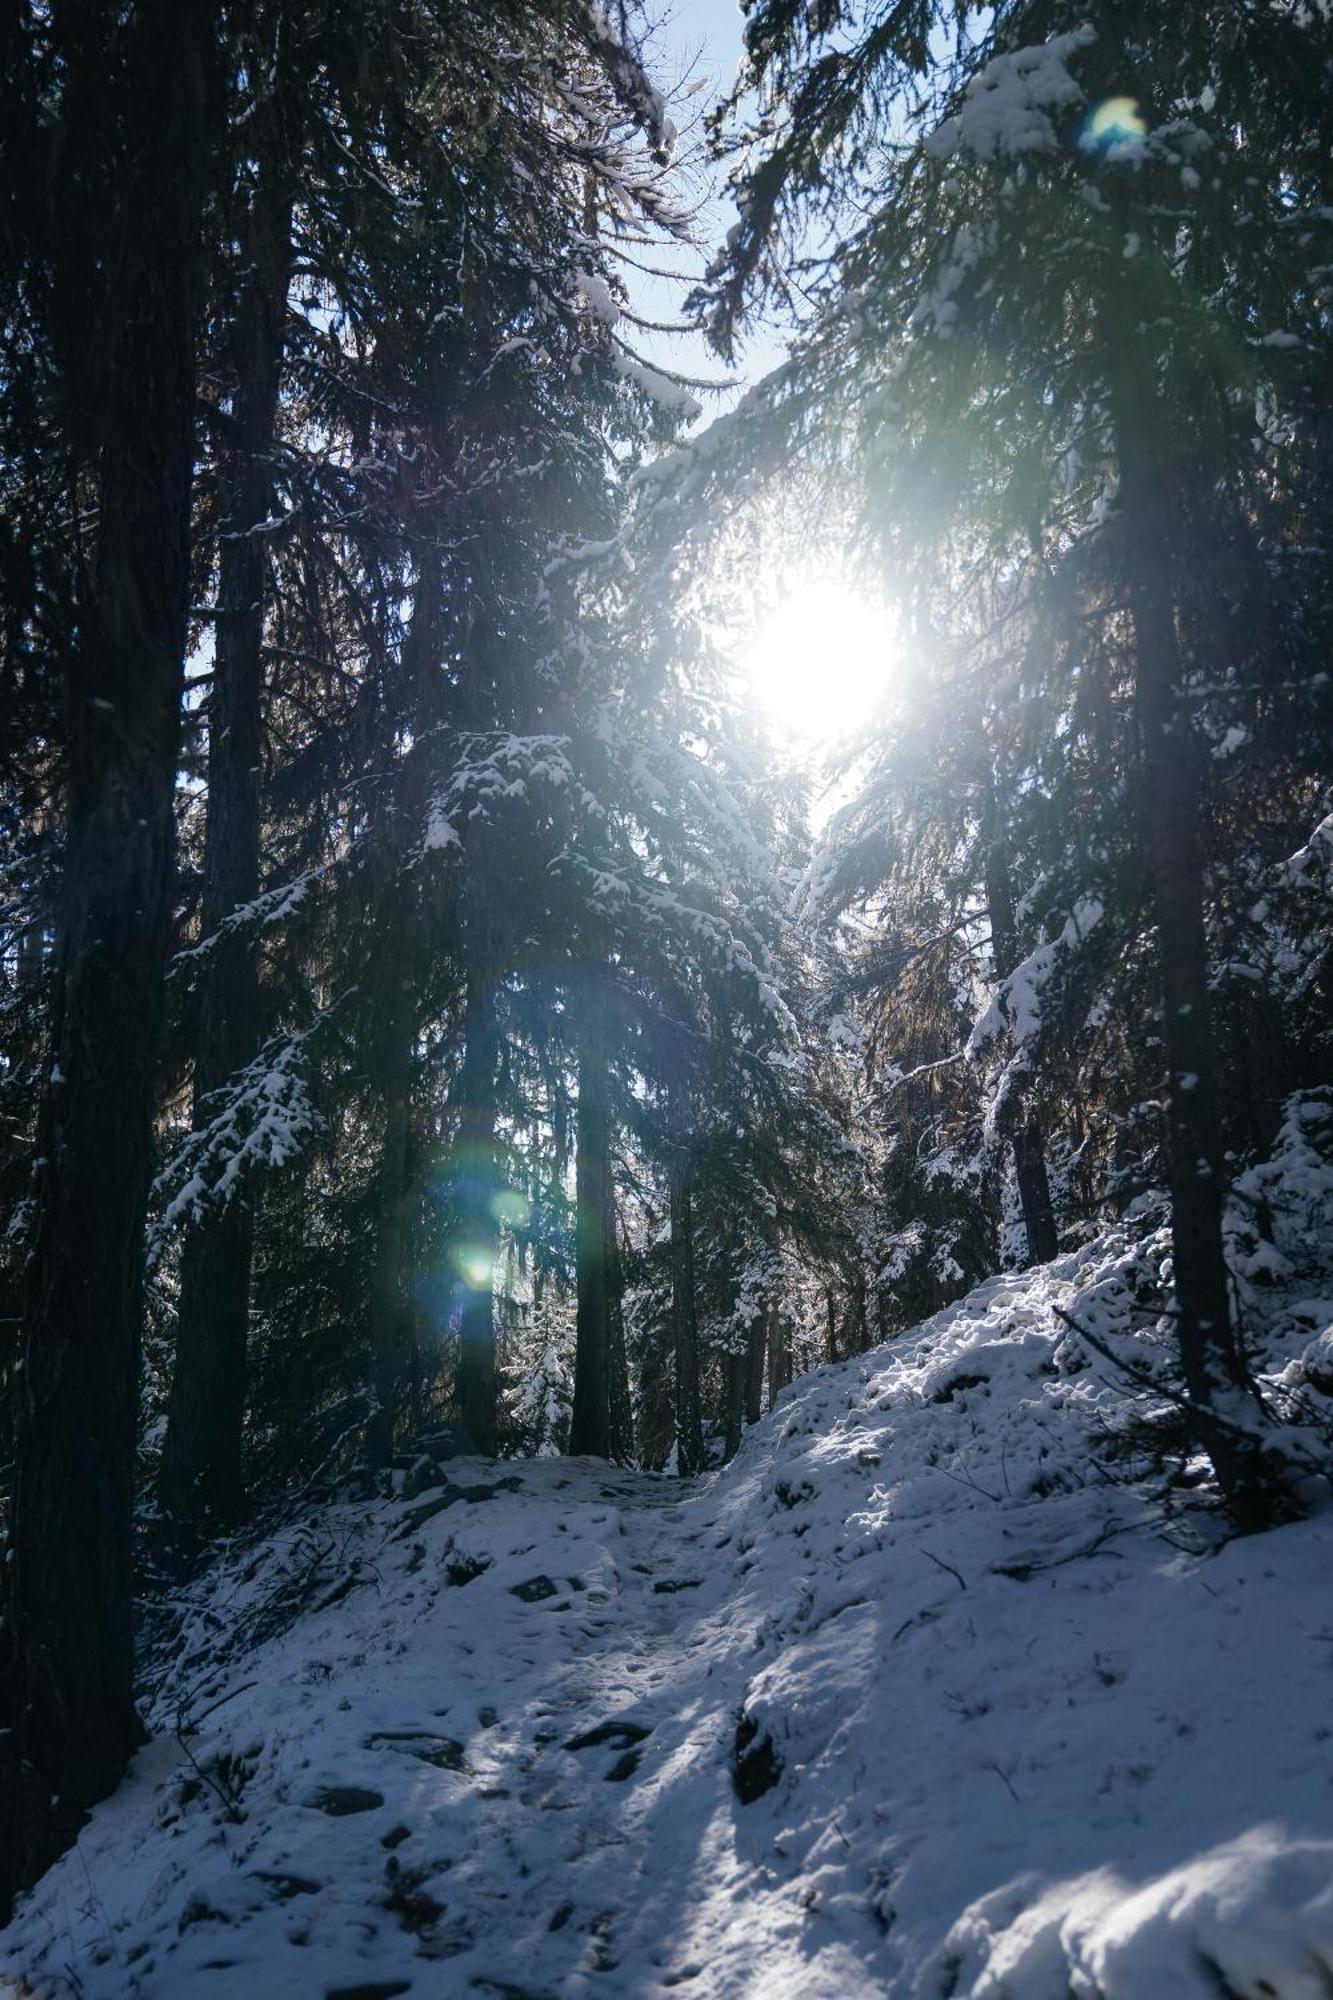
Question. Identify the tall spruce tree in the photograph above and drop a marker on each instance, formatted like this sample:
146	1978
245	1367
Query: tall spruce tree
1057	333
116	307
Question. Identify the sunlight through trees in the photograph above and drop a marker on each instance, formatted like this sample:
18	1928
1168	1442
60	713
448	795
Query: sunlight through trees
551	886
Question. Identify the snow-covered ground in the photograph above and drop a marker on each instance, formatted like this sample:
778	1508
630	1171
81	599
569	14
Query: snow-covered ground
924	1695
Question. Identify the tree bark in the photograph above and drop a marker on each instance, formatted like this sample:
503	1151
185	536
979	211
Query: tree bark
137	114
733	1363
622	1404
590	1426
476	1234
690	1454
657	1394
779	1356
1034	1192
394	941
389	1312
1211	1359
1029	1149
756	1347
201	1487
860	1340
735	1405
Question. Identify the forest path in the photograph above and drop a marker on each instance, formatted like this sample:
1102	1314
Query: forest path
476	1742
618	1763
607	1850
912	1698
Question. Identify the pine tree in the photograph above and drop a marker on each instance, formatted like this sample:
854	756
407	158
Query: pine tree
119	308
201	1483
1062	302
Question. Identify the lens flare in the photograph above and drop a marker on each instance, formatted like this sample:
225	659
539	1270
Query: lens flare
511	1209
476	1267
1114	123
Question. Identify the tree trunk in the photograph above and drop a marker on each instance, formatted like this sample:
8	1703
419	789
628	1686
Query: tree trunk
1034	1192
756	1347
130	385
475	1236
860	1340
590	1425
1211	1360
690	1454
622	1405
392	978
1034	1189
735	1405
201	1487
831	1327
779	1356
657	1394
389	1313
733	1363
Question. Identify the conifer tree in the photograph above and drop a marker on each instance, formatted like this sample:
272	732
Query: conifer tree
1056	333
117	309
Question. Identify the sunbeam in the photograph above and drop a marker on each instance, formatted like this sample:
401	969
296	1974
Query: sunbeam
820	659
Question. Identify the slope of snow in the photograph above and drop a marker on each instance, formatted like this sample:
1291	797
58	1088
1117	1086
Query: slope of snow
921	1696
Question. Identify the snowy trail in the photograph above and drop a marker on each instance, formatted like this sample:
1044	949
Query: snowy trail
500	1764
638	1882
1005	1736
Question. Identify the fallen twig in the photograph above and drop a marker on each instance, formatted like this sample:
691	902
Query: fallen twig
941	1564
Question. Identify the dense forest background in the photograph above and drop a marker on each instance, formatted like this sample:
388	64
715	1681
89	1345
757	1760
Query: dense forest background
427	1003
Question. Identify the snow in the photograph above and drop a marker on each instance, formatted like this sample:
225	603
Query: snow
1255	1913
440	832
1018	1002
265	912
662	389
972	244
597	296
1006	107
261	1119
1312	864
631	81
1016	1722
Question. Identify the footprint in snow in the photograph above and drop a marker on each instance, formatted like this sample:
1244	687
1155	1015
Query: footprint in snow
618	1733
369	1989
444	1752
341	1800
621	1732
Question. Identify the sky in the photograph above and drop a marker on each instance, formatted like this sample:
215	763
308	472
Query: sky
698	44
811	612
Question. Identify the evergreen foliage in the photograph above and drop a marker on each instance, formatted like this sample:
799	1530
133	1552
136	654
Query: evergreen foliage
427	1013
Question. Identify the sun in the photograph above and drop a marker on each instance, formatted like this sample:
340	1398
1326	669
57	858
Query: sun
820	659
